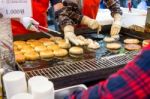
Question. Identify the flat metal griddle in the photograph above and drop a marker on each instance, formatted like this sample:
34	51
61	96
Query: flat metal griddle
67	71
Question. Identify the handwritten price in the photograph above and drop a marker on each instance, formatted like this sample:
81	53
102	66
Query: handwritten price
13	1
16	8
15	11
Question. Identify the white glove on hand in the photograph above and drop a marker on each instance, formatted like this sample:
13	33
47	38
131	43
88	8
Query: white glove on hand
29	23
91	23
116	26
70	36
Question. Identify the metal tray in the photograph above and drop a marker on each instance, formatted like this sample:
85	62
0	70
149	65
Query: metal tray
62	93
88	54
67	71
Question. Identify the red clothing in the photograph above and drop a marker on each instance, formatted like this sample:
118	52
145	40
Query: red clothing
131	82
39	14
90	8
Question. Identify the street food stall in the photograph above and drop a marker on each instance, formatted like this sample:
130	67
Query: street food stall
71	65
92	65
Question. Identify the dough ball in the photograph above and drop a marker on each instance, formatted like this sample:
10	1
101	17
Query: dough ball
94	45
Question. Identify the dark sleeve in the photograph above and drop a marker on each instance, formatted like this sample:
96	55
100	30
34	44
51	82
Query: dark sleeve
114	6
53	2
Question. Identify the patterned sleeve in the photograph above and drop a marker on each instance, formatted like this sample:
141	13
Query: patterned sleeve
68	15
131	82
114	6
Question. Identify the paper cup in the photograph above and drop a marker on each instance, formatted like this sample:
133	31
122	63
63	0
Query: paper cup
14	83
22	96
43	91
36	80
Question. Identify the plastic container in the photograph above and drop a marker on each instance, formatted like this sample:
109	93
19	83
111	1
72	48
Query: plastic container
62	93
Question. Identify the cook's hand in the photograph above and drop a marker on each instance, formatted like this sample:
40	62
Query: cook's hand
116	26
30	24
70	36
91	23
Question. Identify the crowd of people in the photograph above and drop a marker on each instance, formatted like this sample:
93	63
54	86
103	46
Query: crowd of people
140	4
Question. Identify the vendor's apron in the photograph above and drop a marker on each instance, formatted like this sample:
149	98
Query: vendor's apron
39	8
90	8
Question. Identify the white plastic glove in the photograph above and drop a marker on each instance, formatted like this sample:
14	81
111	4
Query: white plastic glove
91	23
29	23
70	36
116	26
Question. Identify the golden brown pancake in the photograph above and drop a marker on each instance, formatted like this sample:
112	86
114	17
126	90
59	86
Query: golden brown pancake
55	38
145	43
20	58
131	41
76	50
60	52
26	50
113	46
44	39
132	47
46	54
31	56
19	42
64	45
48	43
40	48
53	47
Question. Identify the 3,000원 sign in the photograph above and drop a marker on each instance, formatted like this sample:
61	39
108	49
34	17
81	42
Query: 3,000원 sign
15	8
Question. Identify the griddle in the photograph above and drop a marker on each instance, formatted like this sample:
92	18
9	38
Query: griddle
93	65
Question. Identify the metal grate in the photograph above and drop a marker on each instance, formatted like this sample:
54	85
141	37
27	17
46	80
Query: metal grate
83	66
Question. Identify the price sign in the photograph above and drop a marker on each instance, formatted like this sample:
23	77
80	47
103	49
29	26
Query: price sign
15	8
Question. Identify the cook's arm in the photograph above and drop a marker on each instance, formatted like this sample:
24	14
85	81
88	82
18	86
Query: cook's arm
116	12
67	15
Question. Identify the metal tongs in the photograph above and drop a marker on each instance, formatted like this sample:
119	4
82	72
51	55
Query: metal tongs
47	31
99	36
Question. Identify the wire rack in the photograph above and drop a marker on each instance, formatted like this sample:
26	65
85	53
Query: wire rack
83	66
